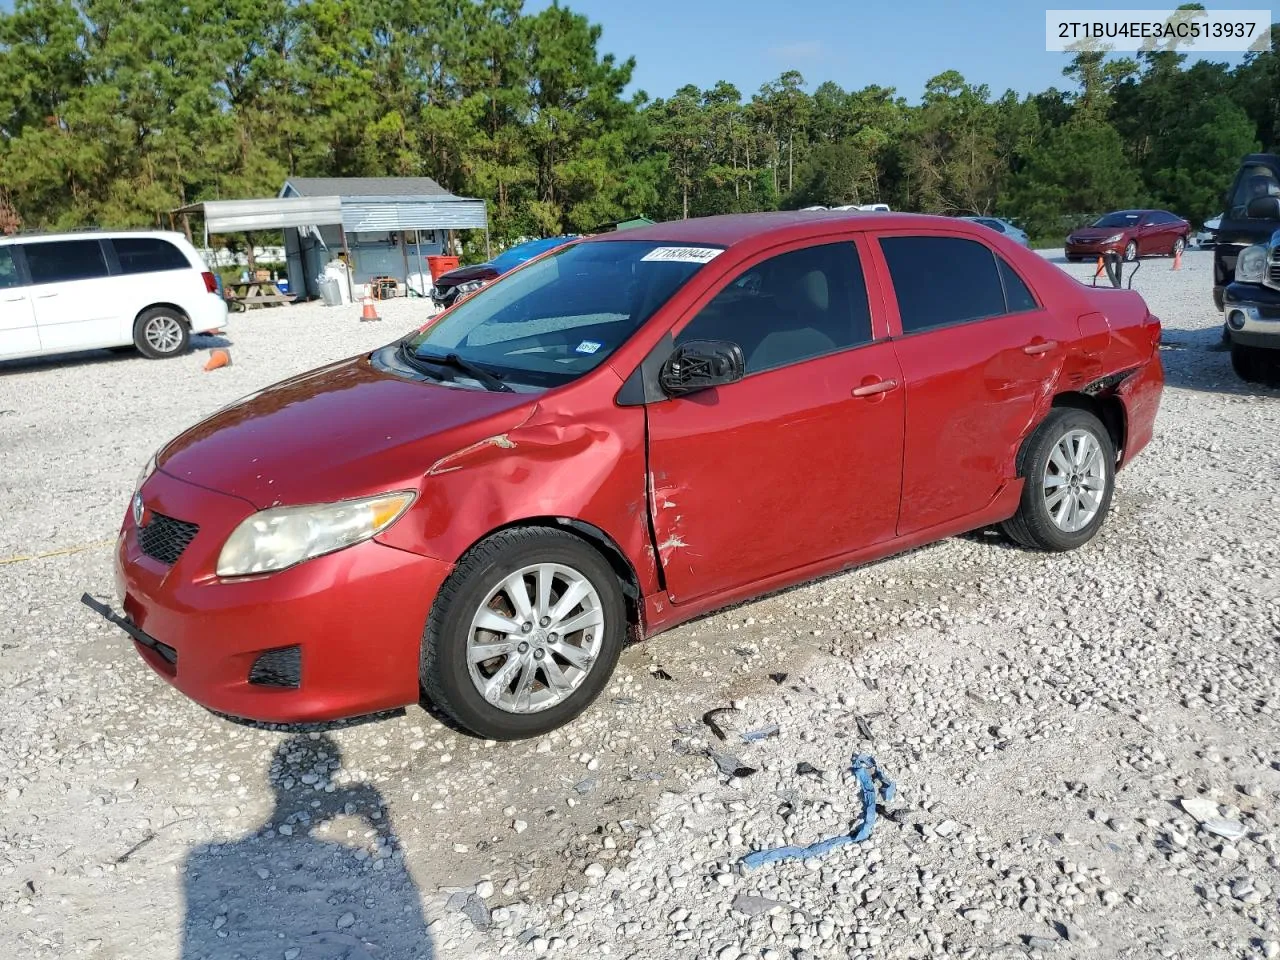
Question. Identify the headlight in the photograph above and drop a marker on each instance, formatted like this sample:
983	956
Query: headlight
148	469
282	536
1251	266
1115	239
469	286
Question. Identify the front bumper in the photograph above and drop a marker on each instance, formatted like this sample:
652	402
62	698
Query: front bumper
1252	315
357	616
1092	248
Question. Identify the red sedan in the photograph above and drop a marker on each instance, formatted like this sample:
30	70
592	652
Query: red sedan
1130	233
623	434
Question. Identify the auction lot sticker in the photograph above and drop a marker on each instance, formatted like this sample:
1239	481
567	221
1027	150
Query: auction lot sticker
683	254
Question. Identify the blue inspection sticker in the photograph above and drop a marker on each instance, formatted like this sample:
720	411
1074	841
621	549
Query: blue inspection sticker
589	346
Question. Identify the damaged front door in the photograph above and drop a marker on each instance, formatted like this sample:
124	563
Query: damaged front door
799	461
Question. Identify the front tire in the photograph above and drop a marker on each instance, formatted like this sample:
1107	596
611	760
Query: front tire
1179	245
1250	363
523	635
1131	251
1069	468
160	333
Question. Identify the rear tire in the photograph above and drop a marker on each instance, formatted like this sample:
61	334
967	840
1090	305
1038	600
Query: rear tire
513	708
1069	469
160	333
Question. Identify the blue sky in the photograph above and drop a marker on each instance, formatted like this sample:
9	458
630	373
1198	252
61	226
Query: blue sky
853	42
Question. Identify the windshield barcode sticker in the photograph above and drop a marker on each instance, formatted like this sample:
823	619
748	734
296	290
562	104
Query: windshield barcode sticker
684	254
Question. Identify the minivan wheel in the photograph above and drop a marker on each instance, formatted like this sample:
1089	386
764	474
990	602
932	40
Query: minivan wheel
1069	467
1131	251
161	332
524	634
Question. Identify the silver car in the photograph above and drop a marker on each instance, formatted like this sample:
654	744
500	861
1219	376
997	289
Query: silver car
1002	226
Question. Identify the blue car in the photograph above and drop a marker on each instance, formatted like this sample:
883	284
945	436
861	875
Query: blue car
1003	226
458	283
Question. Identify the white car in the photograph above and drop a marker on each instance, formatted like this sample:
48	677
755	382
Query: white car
1208	236
83	291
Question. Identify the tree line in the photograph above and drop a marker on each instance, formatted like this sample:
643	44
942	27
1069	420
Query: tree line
116	112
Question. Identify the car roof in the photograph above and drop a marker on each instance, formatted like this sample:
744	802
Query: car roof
90	235
730	229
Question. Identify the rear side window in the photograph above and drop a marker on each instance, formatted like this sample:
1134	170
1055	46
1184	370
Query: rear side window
148	254
942	280
995	225
62	260
8	269
1016	295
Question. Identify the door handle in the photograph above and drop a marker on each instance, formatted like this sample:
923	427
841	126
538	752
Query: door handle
871	389
14	299
46	296
1038	347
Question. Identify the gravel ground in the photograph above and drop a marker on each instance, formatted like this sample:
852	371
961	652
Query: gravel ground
1085	746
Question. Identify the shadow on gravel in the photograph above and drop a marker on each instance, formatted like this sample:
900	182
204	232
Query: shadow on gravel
199	341
1199	360
288	891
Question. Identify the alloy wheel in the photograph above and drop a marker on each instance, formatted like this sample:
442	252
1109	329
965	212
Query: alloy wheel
163	333
535	638
1075	478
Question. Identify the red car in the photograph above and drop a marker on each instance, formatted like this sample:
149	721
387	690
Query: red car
621	435
1130	233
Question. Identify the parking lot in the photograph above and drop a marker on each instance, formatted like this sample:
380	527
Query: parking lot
1044	716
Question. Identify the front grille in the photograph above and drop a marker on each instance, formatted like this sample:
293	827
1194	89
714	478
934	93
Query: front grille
1273	274
164	538
281	667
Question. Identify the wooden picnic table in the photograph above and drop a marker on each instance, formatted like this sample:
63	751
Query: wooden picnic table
244	296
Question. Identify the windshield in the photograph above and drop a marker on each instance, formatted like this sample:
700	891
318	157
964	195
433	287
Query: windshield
512	258
1118	220
554	320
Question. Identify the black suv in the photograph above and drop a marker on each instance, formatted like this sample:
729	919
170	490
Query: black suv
1246	267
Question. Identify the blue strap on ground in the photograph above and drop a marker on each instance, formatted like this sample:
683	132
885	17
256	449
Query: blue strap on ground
868	775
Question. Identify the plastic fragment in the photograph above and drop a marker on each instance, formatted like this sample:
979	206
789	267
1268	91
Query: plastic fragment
778	678
764	733
806	769
661	674
868	775
709	719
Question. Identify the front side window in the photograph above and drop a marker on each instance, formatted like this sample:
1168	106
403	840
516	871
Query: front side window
1255	181
554	320
148	254
61	261
8	269
791	307
942	280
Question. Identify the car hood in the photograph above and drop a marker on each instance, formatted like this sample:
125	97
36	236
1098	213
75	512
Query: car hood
342	431
1096	233
480	271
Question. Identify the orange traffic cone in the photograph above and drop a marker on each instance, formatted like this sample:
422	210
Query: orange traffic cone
370	312
1098	272
1177	259
218	358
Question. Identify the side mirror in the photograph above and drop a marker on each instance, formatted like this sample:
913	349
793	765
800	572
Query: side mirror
1263	208
701	364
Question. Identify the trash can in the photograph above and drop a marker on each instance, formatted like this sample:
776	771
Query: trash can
438	265
330	291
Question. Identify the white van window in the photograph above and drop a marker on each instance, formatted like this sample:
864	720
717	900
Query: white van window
148	254
8	269
63	260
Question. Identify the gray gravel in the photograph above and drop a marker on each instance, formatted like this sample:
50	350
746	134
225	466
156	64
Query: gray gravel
1086	746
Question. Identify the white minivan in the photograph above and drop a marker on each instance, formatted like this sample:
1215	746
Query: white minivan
84	291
